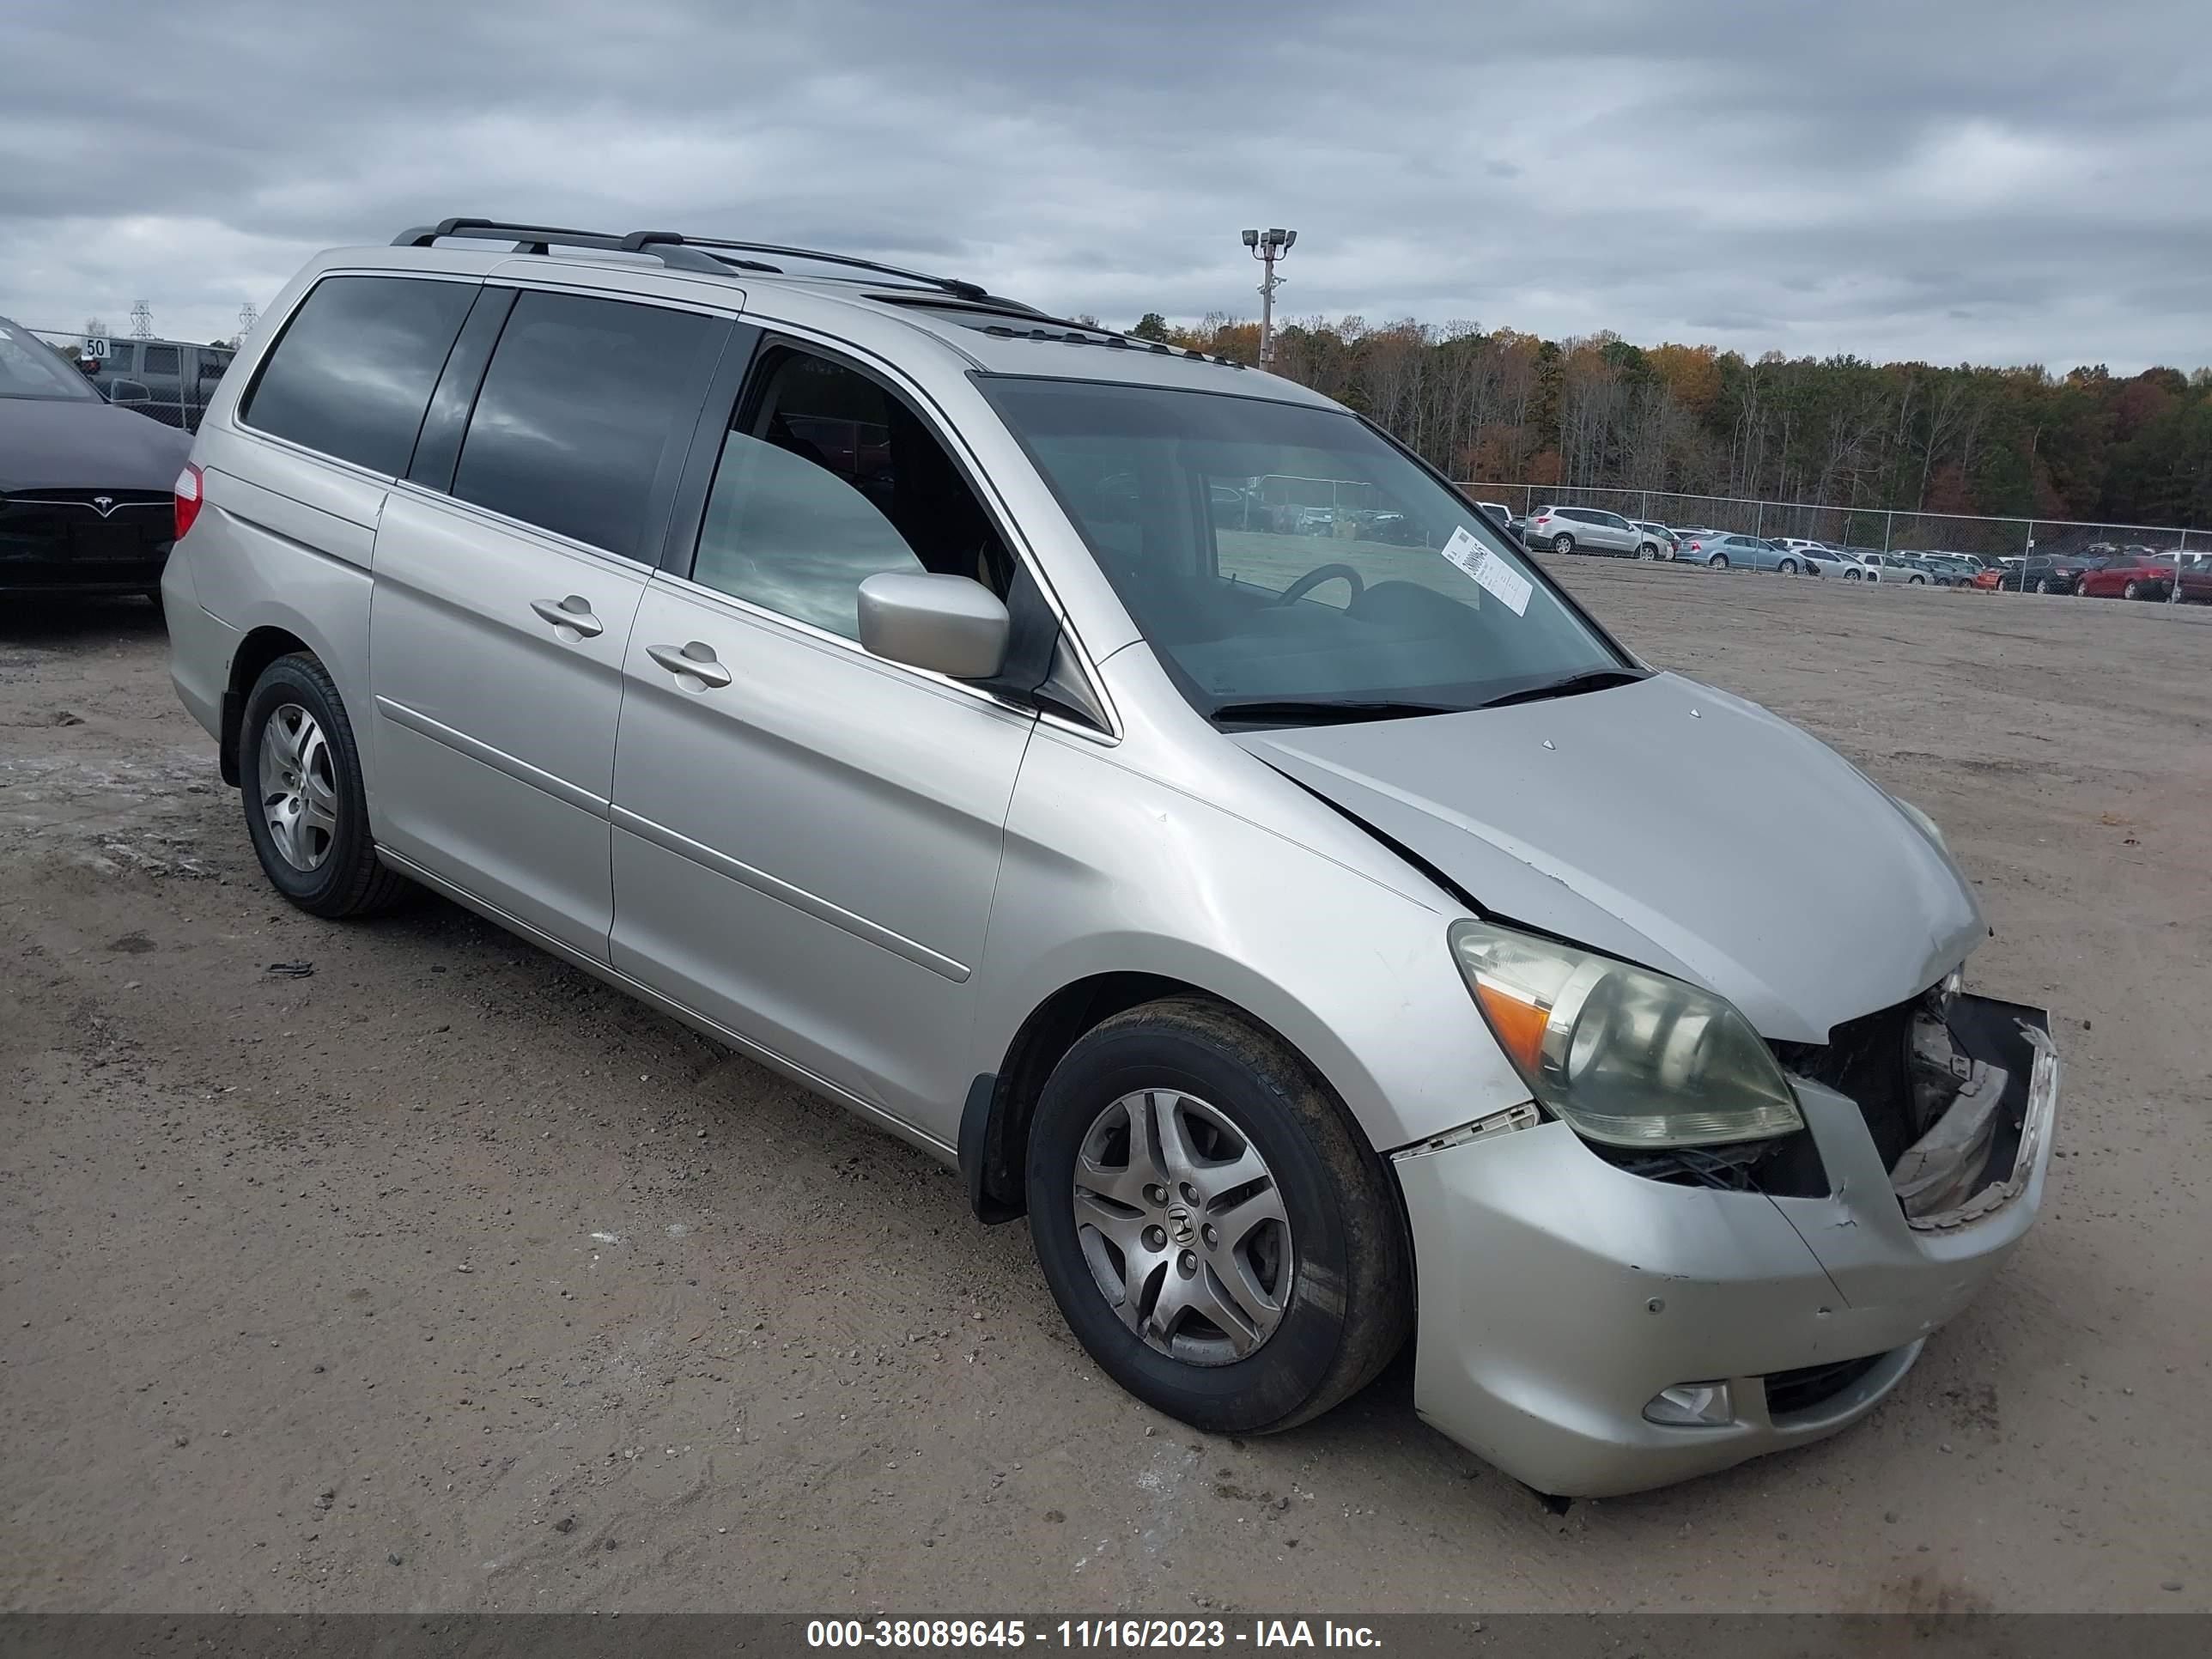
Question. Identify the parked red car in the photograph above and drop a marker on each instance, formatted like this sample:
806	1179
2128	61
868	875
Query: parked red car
1986	579
2195	581
2142	577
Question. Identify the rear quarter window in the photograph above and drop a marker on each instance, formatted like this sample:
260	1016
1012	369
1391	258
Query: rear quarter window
353	371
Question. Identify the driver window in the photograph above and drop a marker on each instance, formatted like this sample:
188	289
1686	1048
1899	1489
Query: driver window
827	478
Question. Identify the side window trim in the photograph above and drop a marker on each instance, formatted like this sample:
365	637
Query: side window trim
438	444
679	546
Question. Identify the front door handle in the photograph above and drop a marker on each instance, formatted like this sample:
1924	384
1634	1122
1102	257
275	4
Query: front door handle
574	611
696	659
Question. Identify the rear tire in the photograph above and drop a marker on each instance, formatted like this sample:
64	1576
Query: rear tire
1718	562
1563	543
1340	1271
306	812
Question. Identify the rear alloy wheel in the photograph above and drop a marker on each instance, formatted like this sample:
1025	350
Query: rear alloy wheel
1718	562
1219	1236
299	775
1563	543
1787	567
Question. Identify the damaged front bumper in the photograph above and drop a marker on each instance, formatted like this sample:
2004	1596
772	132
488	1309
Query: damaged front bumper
1591	1331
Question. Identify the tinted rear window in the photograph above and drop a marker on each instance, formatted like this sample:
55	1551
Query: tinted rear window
354	371
578	407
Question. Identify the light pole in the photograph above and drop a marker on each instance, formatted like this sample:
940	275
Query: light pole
1267	247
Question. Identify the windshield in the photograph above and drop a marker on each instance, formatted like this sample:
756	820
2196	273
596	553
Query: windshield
30	368
1276	554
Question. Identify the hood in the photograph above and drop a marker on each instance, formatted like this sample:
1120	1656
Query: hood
1669	824
50	443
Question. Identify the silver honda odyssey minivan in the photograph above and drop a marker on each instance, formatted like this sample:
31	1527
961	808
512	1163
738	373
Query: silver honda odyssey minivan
1315	923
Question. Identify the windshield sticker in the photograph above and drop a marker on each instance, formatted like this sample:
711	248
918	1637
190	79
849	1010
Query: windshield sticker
1489	570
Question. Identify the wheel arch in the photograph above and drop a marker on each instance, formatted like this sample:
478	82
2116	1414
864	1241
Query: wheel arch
256	651
1002	1105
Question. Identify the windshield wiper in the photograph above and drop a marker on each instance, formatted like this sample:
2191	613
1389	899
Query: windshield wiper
1299	711
1596	679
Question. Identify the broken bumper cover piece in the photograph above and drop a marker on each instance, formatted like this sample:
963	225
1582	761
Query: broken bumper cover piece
1591	1332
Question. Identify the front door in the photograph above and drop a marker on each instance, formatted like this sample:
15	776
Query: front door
806	838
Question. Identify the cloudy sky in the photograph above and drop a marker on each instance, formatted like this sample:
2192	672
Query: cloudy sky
1993	180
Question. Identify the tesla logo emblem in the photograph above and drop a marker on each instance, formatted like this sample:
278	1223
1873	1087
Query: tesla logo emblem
103	504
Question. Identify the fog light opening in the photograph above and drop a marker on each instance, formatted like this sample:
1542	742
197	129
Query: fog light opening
1692	1406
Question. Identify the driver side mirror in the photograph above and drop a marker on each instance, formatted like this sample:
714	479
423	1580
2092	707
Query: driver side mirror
128	391
949	625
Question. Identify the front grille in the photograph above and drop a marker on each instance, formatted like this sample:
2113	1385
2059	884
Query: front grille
72	525
1809	1386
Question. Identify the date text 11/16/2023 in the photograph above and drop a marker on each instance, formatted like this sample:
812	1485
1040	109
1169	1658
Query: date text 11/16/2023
1086	1633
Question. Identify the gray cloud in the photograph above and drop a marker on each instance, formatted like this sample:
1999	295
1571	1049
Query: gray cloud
2005	180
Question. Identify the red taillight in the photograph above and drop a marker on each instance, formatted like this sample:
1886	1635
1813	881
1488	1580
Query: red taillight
188	498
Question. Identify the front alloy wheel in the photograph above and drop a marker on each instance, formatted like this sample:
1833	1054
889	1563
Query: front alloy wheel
1647	551
1787	567
1182	1222
1220	1236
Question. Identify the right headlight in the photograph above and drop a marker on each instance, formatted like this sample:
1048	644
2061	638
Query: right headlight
1622	1054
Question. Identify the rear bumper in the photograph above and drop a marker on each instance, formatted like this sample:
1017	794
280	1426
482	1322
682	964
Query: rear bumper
1559	1295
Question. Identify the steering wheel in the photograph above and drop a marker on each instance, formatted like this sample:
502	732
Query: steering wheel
1317	575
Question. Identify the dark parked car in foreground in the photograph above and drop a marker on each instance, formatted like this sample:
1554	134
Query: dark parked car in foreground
86	501
2046	572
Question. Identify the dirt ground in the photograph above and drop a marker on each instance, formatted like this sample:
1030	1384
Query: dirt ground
444	1278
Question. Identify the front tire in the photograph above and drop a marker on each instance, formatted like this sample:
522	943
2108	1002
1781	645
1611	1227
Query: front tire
300	778
1218	1234
1854	575
1649	552
2131	590
1787	567
2043	584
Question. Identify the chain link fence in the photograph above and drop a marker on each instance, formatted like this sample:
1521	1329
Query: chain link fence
1882	530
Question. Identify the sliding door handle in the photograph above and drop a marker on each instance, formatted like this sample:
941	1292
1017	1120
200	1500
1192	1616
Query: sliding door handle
696	659
574	611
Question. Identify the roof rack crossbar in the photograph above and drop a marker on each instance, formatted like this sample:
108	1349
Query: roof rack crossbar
543	239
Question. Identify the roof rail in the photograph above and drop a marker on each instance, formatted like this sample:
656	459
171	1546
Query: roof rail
543	239
640	241
679	251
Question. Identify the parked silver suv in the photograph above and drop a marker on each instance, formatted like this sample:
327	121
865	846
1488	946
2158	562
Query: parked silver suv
1591	530
858	666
